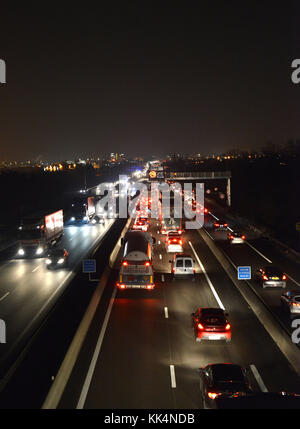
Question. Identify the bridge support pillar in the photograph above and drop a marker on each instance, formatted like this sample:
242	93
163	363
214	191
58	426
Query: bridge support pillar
229	192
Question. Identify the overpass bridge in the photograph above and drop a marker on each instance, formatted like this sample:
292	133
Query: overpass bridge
194	175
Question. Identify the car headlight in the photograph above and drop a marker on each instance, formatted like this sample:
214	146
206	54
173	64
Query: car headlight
60	261
21	252
48	261
39	250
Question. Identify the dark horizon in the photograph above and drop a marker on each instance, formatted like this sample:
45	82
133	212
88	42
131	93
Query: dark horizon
141	80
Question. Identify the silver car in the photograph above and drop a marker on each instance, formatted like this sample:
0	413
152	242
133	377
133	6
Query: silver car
290	300
183	265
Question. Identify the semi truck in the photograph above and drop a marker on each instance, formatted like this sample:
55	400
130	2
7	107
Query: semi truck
136	270
37	233
82	210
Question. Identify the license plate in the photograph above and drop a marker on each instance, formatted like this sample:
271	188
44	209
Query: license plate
214	337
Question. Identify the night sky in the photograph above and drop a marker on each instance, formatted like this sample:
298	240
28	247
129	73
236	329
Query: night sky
147	78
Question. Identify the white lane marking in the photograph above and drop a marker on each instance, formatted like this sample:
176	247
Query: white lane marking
36	268
166	312
4	296
258	378
257	251
229	229
210	235
173	378
207	278
160	256
89	376
293	280
162	277
213	216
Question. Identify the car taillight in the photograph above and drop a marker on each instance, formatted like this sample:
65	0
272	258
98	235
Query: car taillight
231	237
243	237
284	277
180	241
217	225
125	264
199	326
147	264
122	286
205	211
225	224
169	241
213	395
174	240
296	304
150	286
180	232
227	327
265	277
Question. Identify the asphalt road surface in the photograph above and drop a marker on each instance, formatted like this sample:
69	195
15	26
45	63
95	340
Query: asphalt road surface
147	356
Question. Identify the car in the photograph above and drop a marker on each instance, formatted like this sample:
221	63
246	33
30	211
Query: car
211	324
97	219
222	380
236	237
183	265
57	258
220	225
174	242
141	225
290	301
271	276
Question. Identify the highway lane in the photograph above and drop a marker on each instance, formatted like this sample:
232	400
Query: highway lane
149	357
258	252
28	289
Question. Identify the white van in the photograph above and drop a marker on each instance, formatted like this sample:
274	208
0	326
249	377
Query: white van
183	265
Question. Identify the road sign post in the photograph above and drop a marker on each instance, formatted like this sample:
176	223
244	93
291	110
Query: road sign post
89	266
244	273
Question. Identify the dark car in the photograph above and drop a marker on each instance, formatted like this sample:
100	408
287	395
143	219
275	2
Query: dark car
236	237
57	258
222	380
211	324
271	276
220	225
290	301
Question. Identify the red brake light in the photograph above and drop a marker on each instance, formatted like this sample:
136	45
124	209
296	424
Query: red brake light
180	241
217	224
227	327
147	264
122	286
284	277
265	277
125	263
199	326
225	224
296	304
243	237
205	211
179	232
212	395
150	286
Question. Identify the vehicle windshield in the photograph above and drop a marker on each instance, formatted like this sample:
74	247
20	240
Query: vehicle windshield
30	234
273	272
228	373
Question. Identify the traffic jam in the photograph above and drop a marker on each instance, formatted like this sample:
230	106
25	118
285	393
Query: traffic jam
138	270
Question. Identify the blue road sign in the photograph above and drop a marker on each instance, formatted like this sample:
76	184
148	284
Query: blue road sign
89	266
244	273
